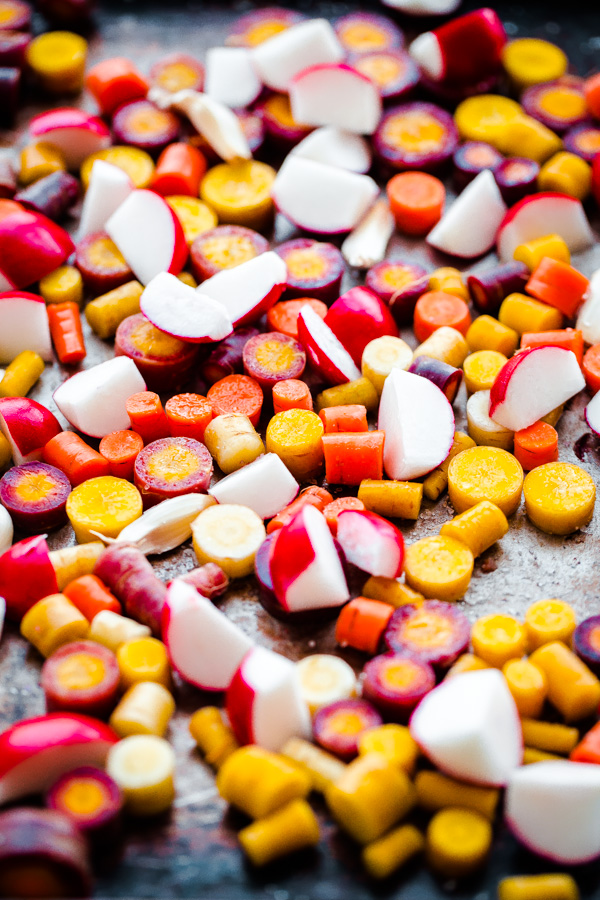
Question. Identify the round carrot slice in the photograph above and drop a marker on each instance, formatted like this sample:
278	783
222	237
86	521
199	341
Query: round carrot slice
416	200
435	309
236	394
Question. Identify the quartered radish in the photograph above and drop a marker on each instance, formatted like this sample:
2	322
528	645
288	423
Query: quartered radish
283	56
338	95
231	77
93	401
320	198
419	425
183	312
265	486
588	318
23	326
541	214
553	809
229	535
326	353
148	234
204	646
250	289
264	701
335	147
358	317
532	384
76	133
31	246
325	679
27	426
469	227
109	187
371	542
366	245
469	727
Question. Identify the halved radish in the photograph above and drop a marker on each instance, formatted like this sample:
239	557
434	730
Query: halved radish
358	317
31	246
231	77
335	147
184	313
27	426
532	384
338	95
469	727
75	132
470	225
305	565
264	701
540	214
419	425
26	575
148	234
204	646
109	187
588	318
283	56
320	198
592	414
23	326
250	289
466	50
93	401
265	486
371	543
553	809
327	355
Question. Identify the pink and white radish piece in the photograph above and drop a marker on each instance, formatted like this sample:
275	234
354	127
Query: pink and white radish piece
540	214
31	246
250	289
338	95
26	575
180	310
592	414
359	317
109	187
76	133
553	809
588	318
469	227
265	486
204	646
27	426
469	727
532	384
264	701
2	614
231	77
464	51
418	421
93	401
306	570
148	234
23	326
280	58
334	147
371	543
327	355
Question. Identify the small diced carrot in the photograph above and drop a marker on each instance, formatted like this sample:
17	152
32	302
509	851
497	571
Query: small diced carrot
351	418
121	448
350	458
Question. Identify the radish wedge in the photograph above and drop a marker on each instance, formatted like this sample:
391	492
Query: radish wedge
231	77
469	227
26	576
419	425
327	355
148	234
109	187
532	384
264	701
541	214
204	646
283	56
76	133
588	318
184	313
469	727
27	426
357	318
592	414
265	486
335	147
35	752
320	198
250	289
23	326
31	246
464	51
371	543
336	95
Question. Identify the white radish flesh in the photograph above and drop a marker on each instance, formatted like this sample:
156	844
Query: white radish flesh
335	147
77	134
588	319
336	95
540	214
371	543
367	244
109	187
181	311
326	352
265	486
6	530
592	414
230	77
283	56
427	53
469	227
250	289
23	326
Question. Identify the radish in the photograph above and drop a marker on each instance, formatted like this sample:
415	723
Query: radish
187	314
26	576
76	133
109	187
231	77
283	56
532	384
305	565
418	421
148	234
588	318
338	95
93	401
5	284
553	808
264	701
358	317
204	646
250	289
27	426
335	147
469	227
592	414
23	326
320	198
371	543
469	727
327	355
31	246
265	486
540	214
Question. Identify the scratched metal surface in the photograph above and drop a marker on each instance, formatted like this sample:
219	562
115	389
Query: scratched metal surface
192	852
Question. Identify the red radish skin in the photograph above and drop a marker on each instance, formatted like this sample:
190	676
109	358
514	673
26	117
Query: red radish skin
75	132
68	662
446	377
250	289
102	266
130	577
224	247
396	683
27	426
371	542
209	580
23	326
35	495
314	269
102	825
140	124
26	576
358	317
326	353
541	214
273	357
166	364
186	465
227	357
393	71
183	312
435	633
31	246
338	726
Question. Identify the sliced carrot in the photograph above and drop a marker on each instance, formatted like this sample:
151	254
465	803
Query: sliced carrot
179	171
188	415
236	394
147	416
291	393
591	368
91	596
350	458
436	309
115	81
283	317
569	338
333	509
311	496
558	284
591	90
70	453
352	418
536	445
121	448
361	624
66	332
416	201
